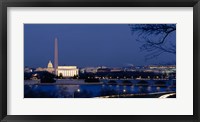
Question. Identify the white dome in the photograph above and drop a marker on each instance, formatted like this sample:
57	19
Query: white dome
50	65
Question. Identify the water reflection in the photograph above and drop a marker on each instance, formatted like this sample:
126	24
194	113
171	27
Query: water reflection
87	91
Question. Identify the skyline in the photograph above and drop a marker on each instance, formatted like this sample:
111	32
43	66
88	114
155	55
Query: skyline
86	45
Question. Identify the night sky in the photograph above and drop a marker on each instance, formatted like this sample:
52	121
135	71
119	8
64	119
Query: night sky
86	45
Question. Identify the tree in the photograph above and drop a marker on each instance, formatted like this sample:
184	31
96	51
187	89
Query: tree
155	38
60	76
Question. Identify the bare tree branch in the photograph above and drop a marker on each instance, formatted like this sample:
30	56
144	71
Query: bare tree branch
155	38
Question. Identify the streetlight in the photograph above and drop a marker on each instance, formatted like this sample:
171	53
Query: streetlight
124	91
78	90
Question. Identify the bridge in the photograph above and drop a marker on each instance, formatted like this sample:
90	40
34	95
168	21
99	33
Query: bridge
102	82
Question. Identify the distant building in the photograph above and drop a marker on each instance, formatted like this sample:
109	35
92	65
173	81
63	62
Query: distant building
162	67
103	70
50	68
116	70
67	71
28	70
89	70
40	69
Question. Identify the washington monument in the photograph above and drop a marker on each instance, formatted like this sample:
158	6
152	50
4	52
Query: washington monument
56	56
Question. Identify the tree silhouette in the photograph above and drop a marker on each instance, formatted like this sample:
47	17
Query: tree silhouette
155	38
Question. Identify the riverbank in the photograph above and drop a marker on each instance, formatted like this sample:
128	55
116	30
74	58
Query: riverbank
143	95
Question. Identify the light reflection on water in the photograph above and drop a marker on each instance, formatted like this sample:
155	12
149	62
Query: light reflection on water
85	91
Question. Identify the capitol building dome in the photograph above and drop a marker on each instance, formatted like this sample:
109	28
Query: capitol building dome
50	65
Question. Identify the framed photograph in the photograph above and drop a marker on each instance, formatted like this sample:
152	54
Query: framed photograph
99	60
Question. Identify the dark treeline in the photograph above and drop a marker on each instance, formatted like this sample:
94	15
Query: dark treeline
44	76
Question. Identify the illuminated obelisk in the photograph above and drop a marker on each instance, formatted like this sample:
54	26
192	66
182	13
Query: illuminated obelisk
56	56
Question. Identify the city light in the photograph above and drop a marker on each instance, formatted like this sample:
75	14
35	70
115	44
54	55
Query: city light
124	90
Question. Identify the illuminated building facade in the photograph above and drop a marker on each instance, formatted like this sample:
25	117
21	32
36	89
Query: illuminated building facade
50	67
67	71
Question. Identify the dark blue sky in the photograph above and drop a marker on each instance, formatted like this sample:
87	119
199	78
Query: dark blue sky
85	45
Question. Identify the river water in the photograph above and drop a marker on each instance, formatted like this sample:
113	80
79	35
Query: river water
88	91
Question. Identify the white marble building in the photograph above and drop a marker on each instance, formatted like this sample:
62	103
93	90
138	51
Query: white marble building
67	71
